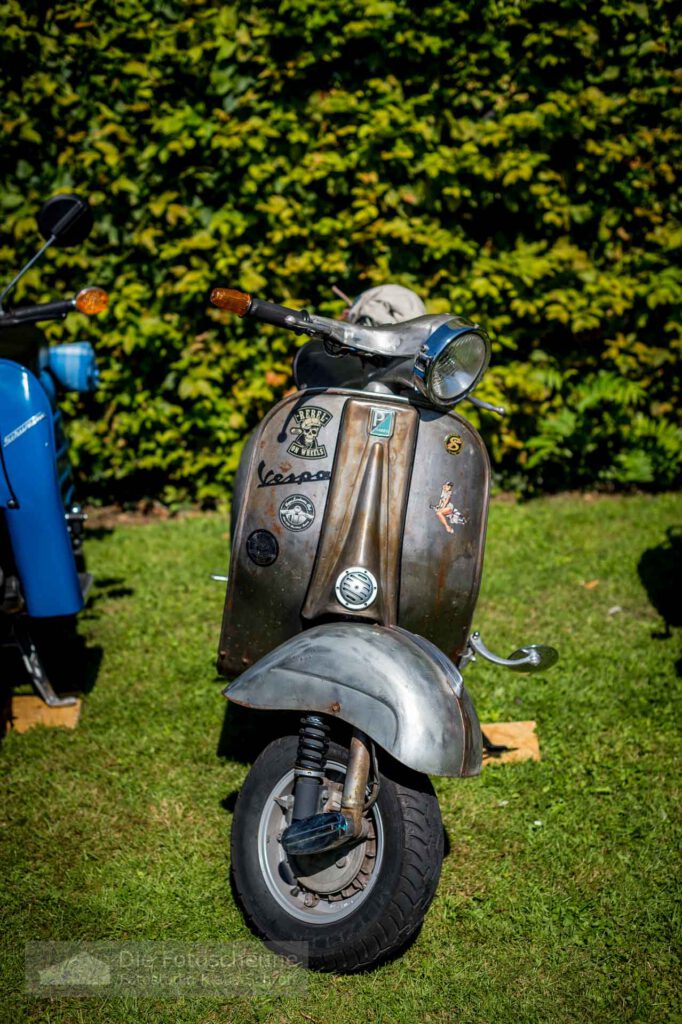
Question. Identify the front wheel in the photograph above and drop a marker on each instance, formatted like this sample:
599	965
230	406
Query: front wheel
351	907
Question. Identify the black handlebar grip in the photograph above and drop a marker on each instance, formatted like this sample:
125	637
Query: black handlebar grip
280	316
244	304
46	311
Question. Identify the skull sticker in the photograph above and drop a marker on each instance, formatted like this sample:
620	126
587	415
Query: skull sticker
308	422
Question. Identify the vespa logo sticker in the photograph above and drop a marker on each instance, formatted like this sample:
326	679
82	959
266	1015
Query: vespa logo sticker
381	422
309	421
296	512
356	588
269	478
22	428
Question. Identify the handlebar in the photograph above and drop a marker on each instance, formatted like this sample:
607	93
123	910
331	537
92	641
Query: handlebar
243	304
395	340
89	301
33	314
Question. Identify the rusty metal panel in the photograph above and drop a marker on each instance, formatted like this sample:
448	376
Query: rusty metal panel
275	537
308	458
363	523
443	547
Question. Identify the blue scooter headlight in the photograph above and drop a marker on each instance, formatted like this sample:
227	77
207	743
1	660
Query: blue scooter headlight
74	366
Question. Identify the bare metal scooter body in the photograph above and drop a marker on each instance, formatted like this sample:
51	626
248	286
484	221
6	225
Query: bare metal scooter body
358	534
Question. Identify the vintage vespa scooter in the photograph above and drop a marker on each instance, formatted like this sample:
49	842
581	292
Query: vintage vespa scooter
359	524
43	579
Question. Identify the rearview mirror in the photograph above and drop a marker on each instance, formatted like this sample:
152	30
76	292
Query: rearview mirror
65	220
533	658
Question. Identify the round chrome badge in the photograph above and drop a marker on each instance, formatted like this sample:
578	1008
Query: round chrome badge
296	512
356	588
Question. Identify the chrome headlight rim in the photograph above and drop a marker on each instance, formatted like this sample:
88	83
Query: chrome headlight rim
430	352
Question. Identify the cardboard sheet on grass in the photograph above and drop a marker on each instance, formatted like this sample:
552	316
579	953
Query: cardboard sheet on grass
519	737
25	712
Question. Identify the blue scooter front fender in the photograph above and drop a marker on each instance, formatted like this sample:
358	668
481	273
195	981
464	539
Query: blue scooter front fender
30	498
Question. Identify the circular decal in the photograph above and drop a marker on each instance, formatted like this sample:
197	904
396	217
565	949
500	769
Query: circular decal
262	547
356	588
453	444
296	512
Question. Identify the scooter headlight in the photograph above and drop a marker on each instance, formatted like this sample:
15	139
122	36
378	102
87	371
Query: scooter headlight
451	363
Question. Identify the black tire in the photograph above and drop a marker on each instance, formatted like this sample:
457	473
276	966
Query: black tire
402	887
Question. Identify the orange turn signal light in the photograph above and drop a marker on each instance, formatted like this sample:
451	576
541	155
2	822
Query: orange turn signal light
233	301
92	300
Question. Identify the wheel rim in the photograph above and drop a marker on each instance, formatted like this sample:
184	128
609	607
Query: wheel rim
315	889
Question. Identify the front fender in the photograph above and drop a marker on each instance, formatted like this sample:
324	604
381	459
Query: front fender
395	686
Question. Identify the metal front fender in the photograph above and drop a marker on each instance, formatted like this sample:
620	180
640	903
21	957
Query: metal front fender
395	686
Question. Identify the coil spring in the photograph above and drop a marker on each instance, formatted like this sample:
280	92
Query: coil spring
313	743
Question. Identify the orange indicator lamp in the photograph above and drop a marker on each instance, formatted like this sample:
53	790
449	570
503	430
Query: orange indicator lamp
233	301
91	301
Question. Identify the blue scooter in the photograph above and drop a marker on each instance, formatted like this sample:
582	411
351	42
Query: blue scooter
42	567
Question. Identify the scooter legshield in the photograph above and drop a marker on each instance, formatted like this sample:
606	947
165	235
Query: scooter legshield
337	479
37	528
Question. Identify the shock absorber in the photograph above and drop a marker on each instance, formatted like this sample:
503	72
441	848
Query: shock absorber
311	832
311	758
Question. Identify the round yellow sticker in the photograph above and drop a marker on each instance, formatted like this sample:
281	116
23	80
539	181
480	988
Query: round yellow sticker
453	444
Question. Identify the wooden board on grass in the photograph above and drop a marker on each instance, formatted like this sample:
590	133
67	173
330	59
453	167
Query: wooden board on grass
520	737
29	711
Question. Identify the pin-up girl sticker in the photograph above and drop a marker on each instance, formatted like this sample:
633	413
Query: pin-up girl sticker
446	511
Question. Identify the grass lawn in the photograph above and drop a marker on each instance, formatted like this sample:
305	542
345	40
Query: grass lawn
557	899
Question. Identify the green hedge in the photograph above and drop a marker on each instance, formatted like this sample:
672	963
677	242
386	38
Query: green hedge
512	161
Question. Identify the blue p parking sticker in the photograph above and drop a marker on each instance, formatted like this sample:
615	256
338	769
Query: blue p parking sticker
381	422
